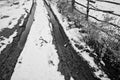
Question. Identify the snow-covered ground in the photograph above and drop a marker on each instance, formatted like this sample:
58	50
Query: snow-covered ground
103	6
76	38
13	13
38	60
5	41
9	15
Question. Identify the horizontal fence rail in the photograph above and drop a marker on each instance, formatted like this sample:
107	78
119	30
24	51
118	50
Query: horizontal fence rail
96	9
104	11
111	2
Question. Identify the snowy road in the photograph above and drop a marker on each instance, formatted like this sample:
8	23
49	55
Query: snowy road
39	54
48	54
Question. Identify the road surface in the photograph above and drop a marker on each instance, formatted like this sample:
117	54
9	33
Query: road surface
42	51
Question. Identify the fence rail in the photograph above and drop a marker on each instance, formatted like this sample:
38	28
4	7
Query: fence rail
104	11
96	9
111	2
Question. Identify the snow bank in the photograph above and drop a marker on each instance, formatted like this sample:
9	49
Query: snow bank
9	16
75	38
14	13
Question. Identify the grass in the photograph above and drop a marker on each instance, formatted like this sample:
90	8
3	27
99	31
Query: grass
100	35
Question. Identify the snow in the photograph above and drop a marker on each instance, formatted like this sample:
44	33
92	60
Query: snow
6	41
13	14
39	59
76	38
103	6
71	78
90	60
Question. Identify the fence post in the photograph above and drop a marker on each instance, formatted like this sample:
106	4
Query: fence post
88	1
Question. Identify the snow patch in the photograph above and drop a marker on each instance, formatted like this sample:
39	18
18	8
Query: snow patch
73	34
102	6
71	78
14	12
6	41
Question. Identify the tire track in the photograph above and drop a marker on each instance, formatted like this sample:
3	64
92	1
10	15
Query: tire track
70	65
